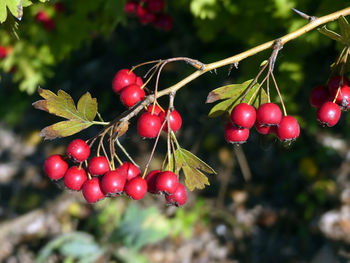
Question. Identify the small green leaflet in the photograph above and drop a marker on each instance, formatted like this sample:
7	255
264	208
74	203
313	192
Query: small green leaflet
62	105
15	7
343	37
192	167
231	96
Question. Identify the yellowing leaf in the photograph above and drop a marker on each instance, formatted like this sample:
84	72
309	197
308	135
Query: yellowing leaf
63	129
87	106
194	178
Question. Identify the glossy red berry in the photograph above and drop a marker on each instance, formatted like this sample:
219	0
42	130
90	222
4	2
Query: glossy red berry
79	150
148	125
151	179
122	79
265	129
130	7
139	81
318	96
129	170
179	197
343	98
156	109
243	115
55	167
329	114
268	114
155	6
74	178
236	135
336	81
98	165
163	22
92	190
136	188
113	183
175	120
288	129
167	182
131	95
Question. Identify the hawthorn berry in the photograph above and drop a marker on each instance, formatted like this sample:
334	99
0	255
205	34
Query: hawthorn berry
79	150
55	167
318	96
113	183
129	170
155	6
336	81
329	114
179	197
156	109
131	95
288	129
136	188
243	115
268	114
139	81
74	178
167	182
175	120
41	16
3	52
148	125
163	22
130	7
146	18
234	134
151	179
343	98
265	129
98	165
122	79
92	190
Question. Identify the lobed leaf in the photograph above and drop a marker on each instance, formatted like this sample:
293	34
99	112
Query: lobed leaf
87	106
63	129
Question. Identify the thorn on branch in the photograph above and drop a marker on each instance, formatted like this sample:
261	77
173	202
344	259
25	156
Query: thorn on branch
303	15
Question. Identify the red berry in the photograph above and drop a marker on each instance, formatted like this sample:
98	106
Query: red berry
55	167
336	81
329	114
236	135
131	95
174	119
3	52
49	25
265	129
288	129
151	179
243	115
141	11
59	7
130	7
41	16
148	125
163	22
129	170
179	197
113	183
155	6
167	182
136	188
146	18
74	178
79	150
318	96
98	165
156	109
343	98
92	190
122	79
268	114
139	81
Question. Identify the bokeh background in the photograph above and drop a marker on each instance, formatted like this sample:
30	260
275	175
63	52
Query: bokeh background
270	202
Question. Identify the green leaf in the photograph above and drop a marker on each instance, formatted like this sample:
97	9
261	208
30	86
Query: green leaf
87	106
226	92
344	27
15	7
331	34
63	129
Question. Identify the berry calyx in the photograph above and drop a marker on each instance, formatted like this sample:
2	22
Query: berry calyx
92	190
243	115
98	165
175	120
131	95
148	125
288	129
74	178
156	109
55	167
329	114
136	188
336	81
167	182
151	179
122	79
343	98
129	170
318	96
236	135
179	197
79	150
265	129
268	114
112	183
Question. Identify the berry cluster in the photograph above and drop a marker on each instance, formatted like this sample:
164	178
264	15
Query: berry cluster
267	118
330	100
98	181
43	17
150	12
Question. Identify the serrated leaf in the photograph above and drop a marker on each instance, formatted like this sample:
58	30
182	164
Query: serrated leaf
344	27
87	106
194	178
63	129
194	162
331	34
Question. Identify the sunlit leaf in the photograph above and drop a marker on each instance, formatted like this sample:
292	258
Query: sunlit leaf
15	7
194	178
87	106
331	34
63	129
